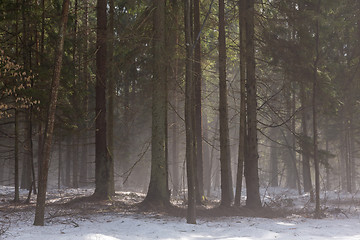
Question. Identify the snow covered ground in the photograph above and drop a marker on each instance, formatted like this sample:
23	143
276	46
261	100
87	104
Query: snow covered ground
342	222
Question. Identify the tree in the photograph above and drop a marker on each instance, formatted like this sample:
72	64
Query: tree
45	156
103	161
158	192
242	127
314	105
226	180
251	160
111	93
197	93
189	117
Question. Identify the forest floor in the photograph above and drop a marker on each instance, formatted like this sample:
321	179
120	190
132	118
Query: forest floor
70	214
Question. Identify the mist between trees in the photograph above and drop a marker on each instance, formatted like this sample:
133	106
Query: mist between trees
179	99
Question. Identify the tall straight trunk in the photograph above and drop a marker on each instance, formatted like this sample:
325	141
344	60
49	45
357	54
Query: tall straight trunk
304	143
242	127
102	159
111	94
226	179
85	76
158	192
16	155
45	156
189	116
198	115
314	103
251	161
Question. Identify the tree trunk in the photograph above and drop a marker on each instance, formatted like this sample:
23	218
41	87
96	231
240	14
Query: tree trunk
198	115
45	156
189	117
242	127
102	159
158	193
226	179
251	162
315	133
85	135
111	95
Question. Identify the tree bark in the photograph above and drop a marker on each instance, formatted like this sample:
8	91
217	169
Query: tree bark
102	159
158	192
45	157
111	95
84	158
314	103
242	127
251	162
198	115
226	179
189	117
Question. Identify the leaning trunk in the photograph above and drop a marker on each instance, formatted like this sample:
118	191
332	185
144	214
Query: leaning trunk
45	156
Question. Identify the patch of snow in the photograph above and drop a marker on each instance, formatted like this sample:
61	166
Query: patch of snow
131	226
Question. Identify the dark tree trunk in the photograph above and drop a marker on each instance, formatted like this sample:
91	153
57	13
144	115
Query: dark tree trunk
189	117
315	131
242	127
158	193
111	95
102	159
251	161
85	75
226	179
45	156
198	115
